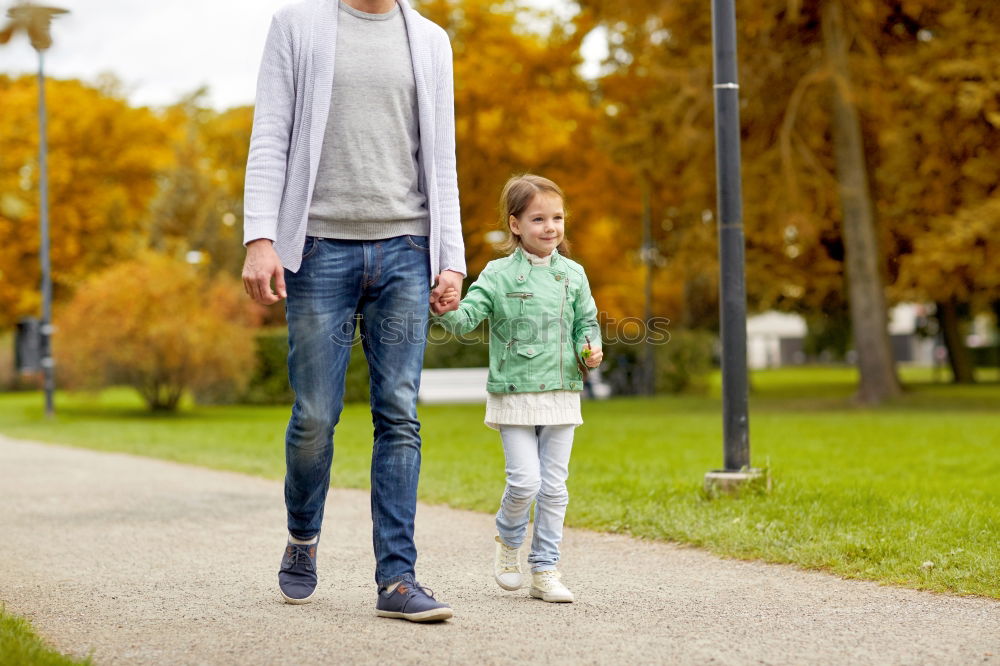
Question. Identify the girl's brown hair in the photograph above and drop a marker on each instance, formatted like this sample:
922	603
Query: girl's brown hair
517	195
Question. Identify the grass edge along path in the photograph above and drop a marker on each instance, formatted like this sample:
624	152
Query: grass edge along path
21	646
902	495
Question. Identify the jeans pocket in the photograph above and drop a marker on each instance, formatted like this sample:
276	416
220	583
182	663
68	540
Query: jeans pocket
312	242
419	243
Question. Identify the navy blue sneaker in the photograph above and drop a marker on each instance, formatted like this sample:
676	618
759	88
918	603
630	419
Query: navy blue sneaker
297	576
411	601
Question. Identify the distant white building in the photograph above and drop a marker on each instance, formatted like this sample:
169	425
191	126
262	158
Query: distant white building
765	333
776	338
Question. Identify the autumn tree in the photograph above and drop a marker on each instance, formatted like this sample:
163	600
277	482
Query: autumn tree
916	77
103	159
866	293
159	325
199	202
521	105
939	146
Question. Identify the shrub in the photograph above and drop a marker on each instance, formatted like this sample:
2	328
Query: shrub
681	365
269	383
159	325
444	350
684	363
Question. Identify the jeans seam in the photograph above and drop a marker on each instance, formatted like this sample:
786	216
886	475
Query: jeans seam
376	525
364	266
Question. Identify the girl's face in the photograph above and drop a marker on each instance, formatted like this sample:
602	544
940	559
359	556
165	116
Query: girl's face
541	226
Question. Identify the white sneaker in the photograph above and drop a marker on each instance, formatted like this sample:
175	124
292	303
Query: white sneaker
545	585
507	566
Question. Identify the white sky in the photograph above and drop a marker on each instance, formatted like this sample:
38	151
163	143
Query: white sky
161	49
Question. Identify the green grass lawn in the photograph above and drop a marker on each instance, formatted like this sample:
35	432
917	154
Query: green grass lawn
864	493
20	646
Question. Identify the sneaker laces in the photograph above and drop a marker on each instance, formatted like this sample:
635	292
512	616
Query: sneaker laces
547	579
426	590
509	559
412	588
298	551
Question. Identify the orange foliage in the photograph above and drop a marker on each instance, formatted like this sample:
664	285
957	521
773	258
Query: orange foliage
160	326
103	159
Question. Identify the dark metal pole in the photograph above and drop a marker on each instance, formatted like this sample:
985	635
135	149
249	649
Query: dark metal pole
48	365
649	370
732	288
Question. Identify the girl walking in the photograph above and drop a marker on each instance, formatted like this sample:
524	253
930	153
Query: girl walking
543	336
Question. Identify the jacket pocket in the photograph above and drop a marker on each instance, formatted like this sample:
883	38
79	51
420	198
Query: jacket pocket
522	296
528	351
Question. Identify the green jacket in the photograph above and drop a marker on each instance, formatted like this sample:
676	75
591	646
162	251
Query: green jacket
540	318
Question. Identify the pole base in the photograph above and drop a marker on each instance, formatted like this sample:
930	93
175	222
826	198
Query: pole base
733	482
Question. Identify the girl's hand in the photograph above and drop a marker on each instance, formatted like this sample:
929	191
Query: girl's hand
594	358
449	296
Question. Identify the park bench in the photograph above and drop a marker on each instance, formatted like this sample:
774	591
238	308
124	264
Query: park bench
468	385
452	385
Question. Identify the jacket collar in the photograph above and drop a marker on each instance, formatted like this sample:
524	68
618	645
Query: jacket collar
523	264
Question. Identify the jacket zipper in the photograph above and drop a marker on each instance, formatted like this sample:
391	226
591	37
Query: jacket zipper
506	351
562	326
522	295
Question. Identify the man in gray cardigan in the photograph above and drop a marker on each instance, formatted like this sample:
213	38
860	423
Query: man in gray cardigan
351	207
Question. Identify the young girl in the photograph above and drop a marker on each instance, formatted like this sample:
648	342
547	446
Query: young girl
543	330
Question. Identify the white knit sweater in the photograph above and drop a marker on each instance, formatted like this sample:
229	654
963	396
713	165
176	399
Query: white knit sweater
541	408
293	102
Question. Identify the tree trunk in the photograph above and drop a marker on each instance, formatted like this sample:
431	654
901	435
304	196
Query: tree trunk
996	317
864	280
958	355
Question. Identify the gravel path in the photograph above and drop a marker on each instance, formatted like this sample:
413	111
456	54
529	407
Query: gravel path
147	562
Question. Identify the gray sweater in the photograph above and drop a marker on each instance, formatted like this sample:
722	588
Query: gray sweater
294	88
367	186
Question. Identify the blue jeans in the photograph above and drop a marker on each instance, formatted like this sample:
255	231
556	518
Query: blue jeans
385	286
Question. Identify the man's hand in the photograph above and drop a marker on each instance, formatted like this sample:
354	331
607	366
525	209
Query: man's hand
445	280
262	263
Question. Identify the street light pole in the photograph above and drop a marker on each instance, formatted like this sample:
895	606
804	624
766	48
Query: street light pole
732	286
648	257
36	21
48	364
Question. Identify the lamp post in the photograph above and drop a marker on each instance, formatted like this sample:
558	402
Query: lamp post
732	285
36	21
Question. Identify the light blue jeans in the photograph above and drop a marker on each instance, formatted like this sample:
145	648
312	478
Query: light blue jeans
537	467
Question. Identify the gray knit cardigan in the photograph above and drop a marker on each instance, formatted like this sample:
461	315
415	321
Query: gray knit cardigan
293	102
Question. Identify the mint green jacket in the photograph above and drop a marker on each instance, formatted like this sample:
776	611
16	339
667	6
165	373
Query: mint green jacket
540	319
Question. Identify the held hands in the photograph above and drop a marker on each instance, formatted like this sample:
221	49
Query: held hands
450	295
447	281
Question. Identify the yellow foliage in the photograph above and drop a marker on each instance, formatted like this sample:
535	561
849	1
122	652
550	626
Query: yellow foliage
103	159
